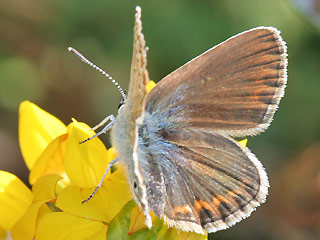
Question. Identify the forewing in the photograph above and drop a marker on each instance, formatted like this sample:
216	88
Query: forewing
139	78
235	87
210	182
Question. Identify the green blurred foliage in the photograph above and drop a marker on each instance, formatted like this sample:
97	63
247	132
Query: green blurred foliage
35	65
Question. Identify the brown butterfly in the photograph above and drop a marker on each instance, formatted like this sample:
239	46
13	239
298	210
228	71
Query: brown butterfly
176	141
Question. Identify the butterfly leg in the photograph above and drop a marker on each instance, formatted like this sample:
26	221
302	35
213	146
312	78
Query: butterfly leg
102	179
104	130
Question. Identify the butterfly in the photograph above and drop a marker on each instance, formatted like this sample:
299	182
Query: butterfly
176	141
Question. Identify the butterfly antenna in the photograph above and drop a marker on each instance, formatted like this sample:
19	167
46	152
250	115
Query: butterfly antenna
83	59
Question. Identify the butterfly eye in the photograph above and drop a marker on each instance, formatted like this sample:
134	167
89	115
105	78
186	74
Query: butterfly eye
134	184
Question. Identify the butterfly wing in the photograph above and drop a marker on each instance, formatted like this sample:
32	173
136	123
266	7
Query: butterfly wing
139	76
206	181
235	87
139	79
224	181
196	176
125	129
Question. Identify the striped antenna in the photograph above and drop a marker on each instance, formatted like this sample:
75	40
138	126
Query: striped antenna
83	59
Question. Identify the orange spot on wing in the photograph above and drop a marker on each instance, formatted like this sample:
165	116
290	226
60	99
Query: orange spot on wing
215	202
182	209
220	198
206	205
199	205
232	194
231	200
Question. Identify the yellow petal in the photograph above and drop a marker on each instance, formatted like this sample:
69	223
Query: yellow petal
151	84
112	153
136	220
243	143
173	233
24	229
61	226
44	209
51	160
3	234
15	198
118	229
139	230
84	163
45	188
37	129
104	205
44	191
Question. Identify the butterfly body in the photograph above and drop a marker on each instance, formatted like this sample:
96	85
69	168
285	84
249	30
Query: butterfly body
176	141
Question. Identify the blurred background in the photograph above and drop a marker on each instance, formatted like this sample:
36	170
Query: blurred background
35	65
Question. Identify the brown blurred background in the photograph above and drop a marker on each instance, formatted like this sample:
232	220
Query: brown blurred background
35	65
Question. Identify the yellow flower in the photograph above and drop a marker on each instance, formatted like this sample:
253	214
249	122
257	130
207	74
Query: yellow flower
63	173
